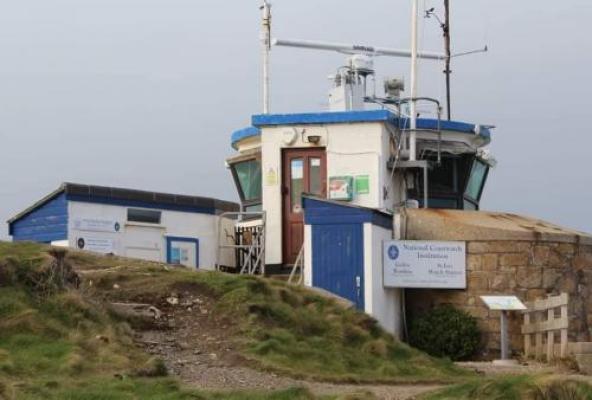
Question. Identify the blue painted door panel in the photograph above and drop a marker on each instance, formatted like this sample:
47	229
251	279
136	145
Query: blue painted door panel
338	260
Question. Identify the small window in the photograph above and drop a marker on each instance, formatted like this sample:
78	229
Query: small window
145	216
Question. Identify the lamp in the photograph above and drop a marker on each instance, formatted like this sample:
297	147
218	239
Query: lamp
314	139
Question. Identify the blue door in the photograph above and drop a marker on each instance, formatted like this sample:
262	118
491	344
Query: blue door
338	260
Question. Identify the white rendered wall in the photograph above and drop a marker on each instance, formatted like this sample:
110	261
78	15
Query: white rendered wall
203	227
383	304
307	255
352	149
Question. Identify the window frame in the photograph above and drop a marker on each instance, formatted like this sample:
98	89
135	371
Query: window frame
143	210
467	198
244	202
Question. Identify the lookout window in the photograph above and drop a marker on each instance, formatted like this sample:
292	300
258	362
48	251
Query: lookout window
475	184
247	175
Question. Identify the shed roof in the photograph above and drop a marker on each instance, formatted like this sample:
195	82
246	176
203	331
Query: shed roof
132	197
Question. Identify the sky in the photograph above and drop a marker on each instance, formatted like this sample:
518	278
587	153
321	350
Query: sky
145	93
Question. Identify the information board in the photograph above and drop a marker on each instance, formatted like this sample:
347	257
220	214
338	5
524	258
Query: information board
96	225
424	264
503	303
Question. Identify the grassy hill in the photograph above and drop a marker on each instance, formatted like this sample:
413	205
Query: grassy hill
59	338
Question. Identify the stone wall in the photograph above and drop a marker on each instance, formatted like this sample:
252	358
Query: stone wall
527	269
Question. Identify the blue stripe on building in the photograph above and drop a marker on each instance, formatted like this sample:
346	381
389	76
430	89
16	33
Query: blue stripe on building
47	223
140	204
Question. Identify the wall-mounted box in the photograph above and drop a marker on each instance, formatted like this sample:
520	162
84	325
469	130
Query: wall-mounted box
341	188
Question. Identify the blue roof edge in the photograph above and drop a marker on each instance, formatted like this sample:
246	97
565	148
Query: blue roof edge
244	133
343	117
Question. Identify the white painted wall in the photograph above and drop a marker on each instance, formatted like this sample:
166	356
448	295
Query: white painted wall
352	149
383	304
203	227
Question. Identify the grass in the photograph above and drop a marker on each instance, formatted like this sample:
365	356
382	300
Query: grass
283	328
521	387
65	346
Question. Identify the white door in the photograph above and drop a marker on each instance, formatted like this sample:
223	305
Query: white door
144	242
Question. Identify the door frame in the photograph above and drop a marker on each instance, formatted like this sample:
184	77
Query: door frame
169	247
285	200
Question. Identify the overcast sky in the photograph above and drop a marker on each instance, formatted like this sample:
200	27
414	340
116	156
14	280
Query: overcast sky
145	93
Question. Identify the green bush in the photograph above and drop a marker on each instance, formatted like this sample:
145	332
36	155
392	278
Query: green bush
445	332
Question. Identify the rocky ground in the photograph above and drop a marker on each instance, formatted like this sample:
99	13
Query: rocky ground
200	352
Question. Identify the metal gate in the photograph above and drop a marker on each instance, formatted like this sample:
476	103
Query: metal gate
338	260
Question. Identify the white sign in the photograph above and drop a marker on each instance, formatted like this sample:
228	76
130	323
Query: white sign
424	264
503	303
96	245
96	225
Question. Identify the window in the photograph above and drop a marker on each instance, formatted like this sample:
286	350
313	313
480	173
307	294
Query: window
476	180
297	184
475	185
248	179
145	216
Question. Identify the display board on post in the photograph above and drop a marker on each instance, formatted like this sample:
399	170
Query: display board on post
505	304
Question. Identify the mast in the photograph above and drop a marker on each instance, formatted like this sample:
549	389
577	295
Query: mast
447	71
413	108
266	48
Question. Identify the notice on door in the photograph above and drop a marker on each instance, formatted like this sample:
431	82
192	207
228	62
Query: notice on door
424	264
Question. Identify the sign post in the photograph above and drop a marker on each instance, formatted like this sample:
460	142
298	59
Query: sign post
505	304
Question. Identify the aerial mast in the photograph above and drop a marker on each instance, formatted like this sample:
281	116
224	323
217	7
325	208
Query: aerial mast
414	65
266	48
447	71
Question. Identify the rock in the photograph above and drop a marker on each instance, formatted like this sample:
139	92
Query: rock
116	286
102	338
213	356
172	300
157	313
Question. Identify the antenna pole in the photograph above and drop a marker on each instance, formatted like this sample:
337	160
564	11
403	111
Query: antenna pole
266	48
413	108
447	71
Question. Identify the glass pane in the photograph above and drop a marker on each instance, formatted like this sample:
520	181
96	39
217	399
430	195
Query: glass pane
296	184
469	205
316	185
476	180
145	216
249	177
254	208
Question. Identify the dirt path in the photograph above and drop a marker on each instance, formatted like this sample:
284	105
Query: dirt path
199	351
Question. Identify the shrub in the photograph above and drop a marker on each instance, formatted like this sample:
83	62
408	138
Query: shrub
445	332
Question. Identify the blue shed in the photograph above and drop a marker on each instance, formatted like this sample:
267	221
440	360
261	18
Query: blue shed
343	255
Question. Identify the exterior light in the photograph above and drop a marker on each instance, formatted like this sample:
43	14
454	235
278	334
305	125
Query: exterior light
314	139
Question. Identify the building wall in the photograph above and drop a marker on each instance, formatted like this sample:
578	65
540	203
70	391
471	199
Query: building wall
527	269
382	303
203	227
352	149
45	224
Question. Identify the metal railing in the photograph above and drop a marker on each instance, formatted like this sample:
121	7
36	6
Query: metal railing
248	243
